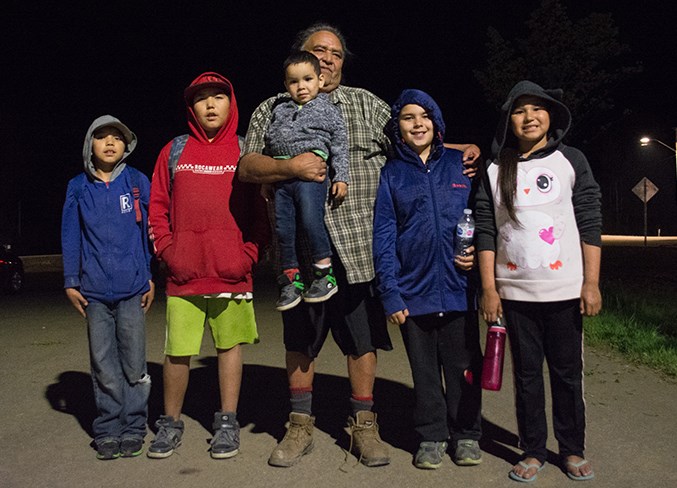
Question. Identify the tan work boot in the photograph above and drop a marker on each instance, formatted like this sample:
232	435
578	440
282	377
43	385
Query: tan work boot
365	442
297	442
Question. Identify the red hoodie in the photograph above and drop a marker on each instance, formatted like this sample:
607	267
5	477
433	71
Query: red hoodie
209	230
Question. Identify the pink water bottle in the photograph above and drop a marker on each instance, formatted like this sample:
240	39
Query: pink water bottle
492	367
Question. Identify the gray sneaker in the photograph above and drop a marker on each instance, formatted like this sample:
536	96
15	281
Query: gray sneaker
226	440
107	449
131	446
168	437
430	454
297	442
323	286
467	453
291	292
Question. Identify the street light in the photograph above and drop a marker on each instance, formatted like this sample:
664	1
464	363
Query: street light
644	141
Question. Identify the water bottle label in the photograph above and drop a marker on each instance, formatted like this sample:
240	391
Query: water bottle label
465	232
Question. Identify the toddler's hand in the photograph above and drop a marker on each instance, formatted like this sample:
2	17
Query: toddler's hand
339	190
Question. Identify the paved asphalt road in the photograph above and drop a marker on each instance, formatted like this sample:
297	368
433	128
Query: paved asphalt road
47	408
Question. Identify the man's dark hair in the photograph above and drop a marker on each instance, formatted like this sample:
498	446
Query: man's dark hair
299	57
305	34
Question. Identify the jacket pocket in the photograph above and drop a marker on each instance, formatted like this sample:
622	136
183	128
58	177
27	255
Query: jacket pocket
212	254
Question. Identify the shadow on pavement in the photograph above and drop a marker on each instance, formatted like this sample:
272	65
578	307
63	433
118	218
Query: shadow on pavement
264	405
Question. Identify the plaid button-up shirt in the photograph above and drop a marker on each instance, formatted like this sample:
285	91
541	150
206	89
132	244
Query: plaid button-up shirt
351	224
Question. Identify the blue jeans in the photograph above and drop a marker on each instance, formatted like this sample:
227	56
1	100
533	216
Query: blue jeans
308	199
117	351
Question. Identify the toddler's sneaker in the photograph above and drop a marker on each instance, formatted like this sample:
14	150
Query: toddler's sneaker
467	453
108	448
226	440
323	286
291	292
168	437
430	454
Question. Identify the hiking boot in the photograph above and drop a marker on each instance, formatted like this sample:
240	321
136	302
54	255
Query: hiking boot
226	440
291	292
467	453
365	440
430	454
323	286
108	448
168	437
297	442
131	446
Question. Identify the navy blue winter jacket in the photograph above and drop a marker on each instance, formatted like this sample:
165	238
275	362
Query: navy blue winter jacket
416	211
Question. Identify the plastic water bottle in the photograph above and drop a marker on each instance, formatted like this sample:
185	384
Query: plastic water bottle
494	353
465	232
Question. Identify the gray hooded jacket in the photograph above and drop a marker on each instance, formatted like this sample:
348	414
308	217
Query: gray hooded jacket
107	121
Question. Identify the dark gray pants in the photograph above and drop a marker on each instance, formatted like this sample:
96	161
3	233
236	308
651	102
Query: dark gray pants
551	331
446	360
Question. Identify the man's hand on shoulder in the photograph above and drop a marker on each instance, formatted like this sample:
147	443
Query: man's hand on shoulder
471	155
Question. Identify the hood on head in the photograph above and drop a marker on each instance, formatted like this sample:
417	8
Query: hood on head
560	116
107	121
210	79
422	99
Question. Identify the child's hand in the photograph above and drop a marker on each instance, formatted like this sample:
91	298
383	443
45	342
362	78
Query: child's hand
490	306
466	262
77	300
339	190
398	318
147	298
591	300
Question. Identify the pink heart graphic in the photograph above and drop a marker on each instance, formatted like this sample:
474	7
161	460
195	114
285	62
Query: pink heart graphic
547	235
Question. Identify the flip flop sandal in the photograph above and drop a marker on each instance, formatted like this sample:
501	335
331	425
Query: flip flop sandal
513	476
578	465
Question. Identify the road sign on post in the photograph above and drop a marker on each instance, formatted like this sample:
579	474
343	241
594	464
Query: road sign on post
645	191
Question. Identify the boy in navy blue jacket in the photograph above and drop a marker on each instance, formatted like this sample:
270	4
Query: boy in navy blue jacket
425	288
106	258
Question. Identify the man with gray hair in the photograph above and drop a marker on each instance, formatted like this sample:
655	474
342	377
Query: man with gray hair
354	316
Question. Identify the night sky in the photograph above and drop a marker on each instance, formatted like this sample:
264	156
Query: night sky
65	63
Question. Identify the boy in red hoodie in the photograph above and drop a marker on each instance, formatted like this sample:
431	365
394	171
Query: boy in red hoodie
207	228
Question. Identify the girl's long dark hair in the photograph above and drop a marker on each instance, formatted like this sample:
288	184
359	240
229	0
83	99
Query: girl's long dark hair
507	180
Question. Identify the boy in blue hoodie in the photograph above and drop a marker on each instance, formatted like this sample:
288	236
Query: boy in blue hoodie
106	258
424	287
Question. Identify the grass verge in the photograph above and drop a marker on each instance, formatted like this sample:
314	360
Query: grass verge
639	320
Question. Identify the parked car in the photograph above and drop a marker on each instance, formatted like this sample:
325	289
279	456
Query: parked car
11	270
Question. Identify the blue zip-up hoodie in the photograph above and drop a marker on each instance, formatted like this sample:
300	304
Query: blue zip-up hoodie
105	250
417	207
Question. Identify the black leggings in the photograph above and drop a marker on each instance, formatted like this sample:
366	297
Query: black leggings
551	331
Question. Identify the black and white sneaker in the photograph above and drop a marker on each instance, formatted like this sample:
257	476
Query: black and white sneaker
226	440
323	286
291	292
